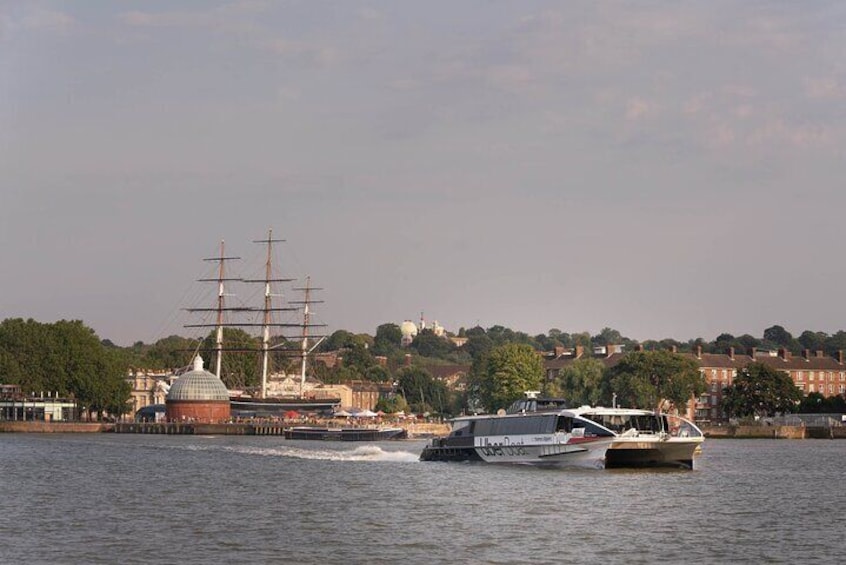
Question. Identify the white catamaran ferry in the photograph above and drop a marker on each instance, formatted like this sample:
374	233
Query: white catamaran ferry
555	436
646	438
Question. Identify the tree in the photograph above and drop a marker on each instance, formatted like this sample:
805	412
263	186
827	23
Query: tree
422	392
580	382
478	345
647	378
608	336
377	374
66	357
427	344
388	339
814	341
507	372
760	390
780	336
240	365
391	405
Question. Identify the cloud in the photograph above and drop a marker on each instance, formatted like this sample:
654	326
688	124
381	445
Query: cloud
825	88
47	20
637	108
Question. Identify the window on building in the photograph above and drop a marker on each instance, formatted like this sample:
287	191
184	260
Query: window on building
799	376
811	387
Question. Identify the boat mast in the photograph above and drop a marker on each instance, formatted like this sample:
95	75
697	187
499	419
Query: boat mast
221	307
268	308
304	349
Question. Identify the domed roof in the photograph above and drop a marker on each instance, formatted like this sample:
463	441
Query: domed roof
198	384
408	328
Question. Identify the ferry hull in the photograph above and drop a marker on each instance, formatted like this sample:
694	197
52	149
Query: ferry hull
585	454
639	454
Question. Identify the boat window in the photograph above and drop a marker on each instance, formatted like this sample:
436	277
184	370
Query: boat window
523	425
591	428
565	424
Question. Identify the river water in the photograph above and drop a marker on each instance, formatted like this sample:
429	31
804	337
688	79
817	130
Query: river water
109	498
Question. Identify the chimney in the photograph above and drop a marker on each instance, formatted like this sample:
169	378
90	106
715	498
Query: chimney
840	356
559	351
784	353
806	353
639	347
674	349
580	350
731	353
698	352
752	352
819	353
408	359
382	361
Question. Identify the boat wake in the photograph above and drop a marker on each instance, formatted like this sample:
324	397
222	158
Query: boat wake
362	453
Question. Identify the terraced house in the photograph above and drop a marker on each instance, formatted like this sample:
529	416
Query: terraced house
810	372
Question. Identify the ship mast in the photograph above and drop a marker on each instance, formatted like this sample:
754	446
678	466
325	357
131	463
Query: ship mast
268	308
306	325
221	307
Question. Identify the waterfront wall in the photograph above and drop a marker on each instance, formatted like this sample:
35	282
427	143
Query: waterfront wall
54	427
775	432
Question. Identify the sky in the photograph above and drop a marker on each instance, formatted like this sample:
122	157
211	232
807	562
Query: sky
666	169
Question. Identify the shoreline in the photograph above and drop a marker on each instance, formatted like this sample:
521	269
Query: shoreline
414	430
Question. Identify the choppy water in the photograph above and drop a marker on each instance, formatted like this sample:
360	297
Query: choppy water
103	498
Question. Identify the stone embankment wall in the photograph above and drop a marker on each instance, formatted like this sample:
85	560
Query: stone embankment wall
55	427
777	432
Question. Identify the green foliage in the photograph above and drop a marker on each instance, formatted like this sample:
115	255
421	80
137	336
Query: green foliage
391	405
580	382
427	344
760	390
422	392
505	374
241	363
377	374
816	403
478	346
646	378
66	357
388	339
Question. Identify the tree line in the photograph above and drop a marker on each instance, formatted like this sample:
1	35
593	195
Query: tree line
68	357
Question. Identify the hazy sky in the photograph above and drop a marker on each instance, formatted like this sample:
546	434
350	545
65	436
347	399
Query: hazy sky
666	169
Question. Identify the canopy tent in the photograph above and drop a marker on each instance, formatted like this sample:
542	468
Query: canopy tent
365	414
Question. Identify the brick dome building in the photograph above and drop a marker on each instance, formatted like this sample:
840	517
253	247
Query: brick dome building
198	396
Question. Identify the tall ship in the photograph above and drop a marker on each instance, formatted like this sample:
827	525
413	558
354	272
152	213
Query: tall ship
259	402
